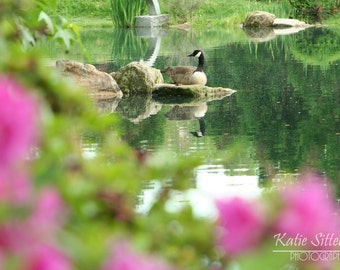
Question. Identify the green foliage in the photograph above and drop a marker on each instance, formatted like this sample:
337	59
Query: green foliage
100	192
181	11
94	9
123	12
322	48
232	13
126	44
203	13
37	25
313	10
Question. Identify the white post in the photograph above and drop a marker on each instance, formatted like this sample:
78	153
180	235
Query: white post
153	7
154	19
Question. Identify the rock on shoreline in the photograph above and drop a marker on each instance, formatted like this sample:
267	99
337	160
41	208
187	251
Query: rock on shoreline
86	75
265	19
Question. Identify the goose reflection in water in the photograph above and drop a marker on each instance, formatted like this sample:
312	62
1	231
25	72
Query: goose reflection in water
201	132
199	114
185	112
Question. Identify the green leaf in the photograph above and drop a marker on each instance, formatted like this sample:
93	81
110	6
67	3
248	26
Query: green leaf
44	17
27	38
65	35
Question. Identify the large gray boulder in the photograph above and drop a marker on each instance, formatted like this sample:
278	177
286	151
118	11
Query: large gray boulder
86	75
136	77
259	19
262	19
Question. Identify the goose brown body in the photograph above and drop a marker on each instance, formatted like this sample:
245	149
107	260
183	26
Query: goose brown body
188	75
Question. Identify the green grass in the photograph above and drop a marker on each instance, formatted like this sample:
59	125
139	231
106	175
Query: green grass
212	13
227	13
100	9
123	12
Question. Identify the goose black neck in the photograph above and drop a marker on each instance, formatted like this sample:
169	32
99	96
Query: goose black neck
200	63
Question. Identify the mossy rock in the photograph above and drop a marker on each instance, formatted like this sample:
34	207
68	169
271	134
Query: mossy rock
170	93
136	77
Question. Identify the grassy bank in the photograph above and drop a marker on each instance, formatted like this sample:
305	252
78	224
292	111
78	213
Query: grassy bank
212	13
228	13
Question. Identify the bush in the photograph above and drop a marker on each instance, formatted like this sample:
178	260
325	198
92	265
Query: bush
182	10
314	11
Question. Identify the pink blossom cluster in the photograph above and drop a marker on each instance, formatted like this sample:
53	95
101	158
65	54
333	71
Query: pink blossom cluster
18	115
308	208
305	209
31	240
124	257
34	217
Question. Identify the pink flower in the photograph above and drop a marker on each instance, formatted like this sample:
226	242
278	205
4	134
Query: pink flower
14	187
241	226
17	121
44	257
49	210
308	209
123	257
14	238
31	249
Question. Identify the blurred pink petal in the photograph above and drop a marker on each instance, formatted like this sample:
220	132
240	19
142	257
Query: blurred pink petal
308	209
14	238
14	187
49	210
45	257
18	113
123	257
241	226
19	241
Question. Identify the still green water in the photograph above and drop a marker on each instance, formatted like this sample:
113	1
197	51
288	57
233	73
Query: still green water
283	119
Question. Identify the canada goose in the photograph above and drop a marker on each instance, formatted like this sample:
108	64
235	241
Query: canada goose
188	75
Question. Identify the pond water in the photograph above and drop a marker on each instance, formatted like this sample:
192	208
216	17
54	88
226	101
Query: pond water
284	117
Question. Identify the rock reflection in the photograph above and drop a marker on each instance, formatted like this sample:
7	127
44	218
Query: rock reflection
138	107
263	34
259	34
107	105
